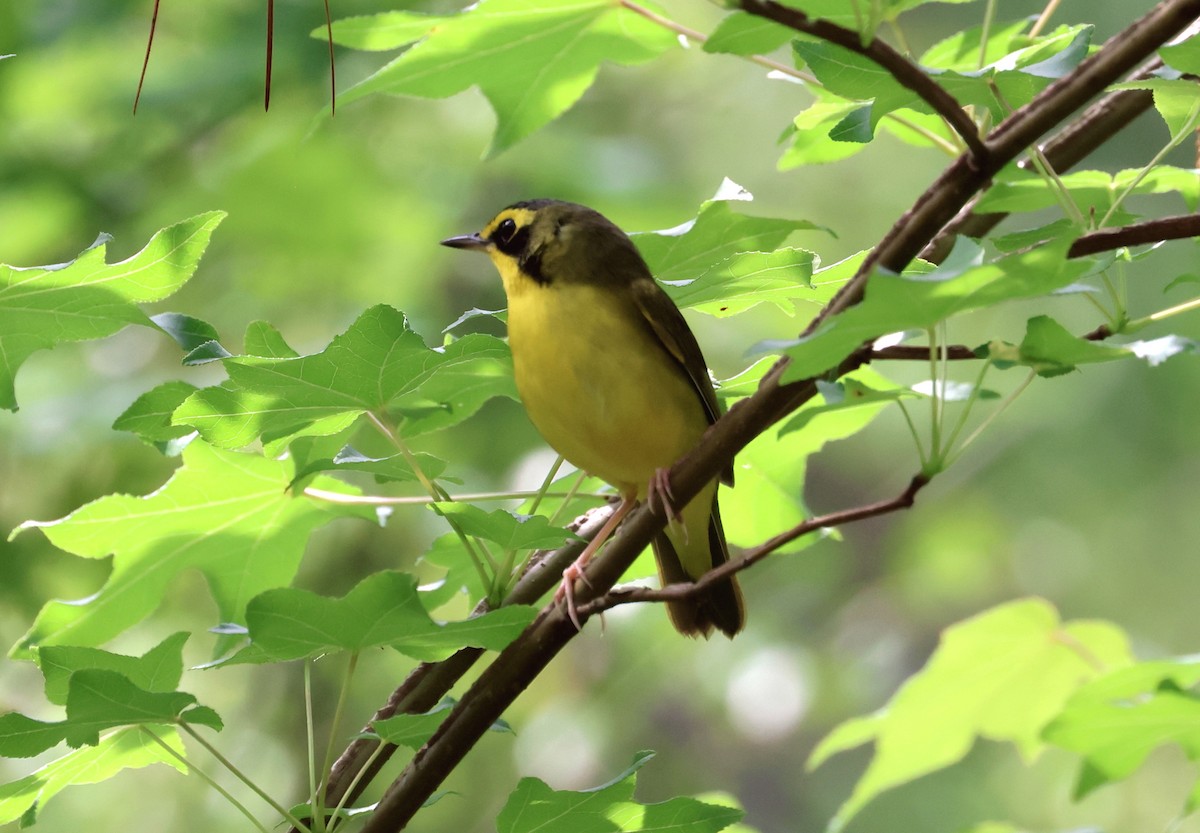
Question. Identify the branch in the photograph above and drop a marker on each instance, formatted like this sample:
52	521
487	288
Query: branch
906	73
675	592
1151	231
915	352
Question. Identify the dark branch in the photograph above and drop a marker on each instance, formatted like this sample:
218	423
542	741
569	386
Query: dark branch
672	592
906	73
1136	234
913	353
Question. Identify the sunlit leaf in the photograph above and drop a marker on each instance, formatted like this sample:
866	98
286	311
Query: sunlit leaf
962	283
1002	675
378	365
1115	737
532	59
131	748
1017	190
717	234
228	515
1051	350
88	298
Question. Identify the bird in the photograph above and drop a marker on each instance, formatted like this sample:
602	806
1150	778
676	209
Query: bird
614	380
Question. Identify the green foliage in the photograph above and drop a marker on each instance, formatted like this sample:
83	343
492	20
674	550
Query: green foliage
268	456
228	515
1002	675
531	60
608	809
88	298
383	610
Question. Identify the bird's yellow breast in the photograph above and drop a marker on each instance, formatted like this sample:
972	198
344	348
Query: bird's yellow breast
596	382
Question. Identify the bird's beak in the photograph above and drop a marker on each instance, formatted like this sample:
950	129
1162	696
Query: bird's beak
466	241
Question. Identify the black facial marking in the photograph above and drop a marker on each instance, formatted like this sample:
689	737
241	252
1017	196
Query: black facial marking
531	265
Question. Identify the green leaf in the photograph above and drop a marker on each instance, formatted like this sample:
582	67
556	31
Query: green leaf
131	748
97	701
188	332
386	469
1115	738
860	389
378	365
1092	191
533	806
770	472
1183	56
811	139
263	340
960	51
1002	675
228	515
532	59
150	414
88	298
746	34
1019	76
159	669
717	234
916	302
510	531
1051	350
746	280
382	610
1175	100
412	730
378	32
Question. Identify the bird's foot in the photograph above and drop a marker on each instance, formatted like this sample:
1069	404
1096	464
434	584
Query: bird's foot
661	499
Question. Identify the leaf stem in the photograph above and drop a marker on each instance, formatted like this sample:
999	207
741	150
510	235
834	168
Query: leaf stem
437	493
311	732
1162	314
224	793
1043	18
238	774
974	435
985	32
470	497
335	724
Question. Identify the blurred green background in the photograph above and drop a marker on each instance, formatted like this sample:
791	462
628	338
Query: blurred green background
1083	493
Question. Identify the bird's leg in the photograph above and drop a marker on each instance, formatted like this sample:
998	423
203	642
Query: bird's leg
566	590
659	491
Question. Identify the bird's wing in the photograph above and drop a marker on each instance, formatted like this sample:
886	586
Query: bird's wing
668	324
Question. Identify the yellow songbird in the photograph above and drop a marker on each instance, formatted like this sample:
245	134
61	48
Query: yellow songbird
614	380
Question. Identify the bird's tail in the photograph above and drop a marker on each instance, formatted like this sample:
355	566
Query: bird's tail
683	555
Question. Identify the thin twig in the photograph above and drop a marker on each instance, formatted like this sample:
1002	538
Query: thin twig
905	72
146	61
677	592
1136	234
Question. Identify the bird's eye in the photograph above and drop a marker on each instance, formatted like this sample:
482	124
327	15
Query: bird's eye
505	231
